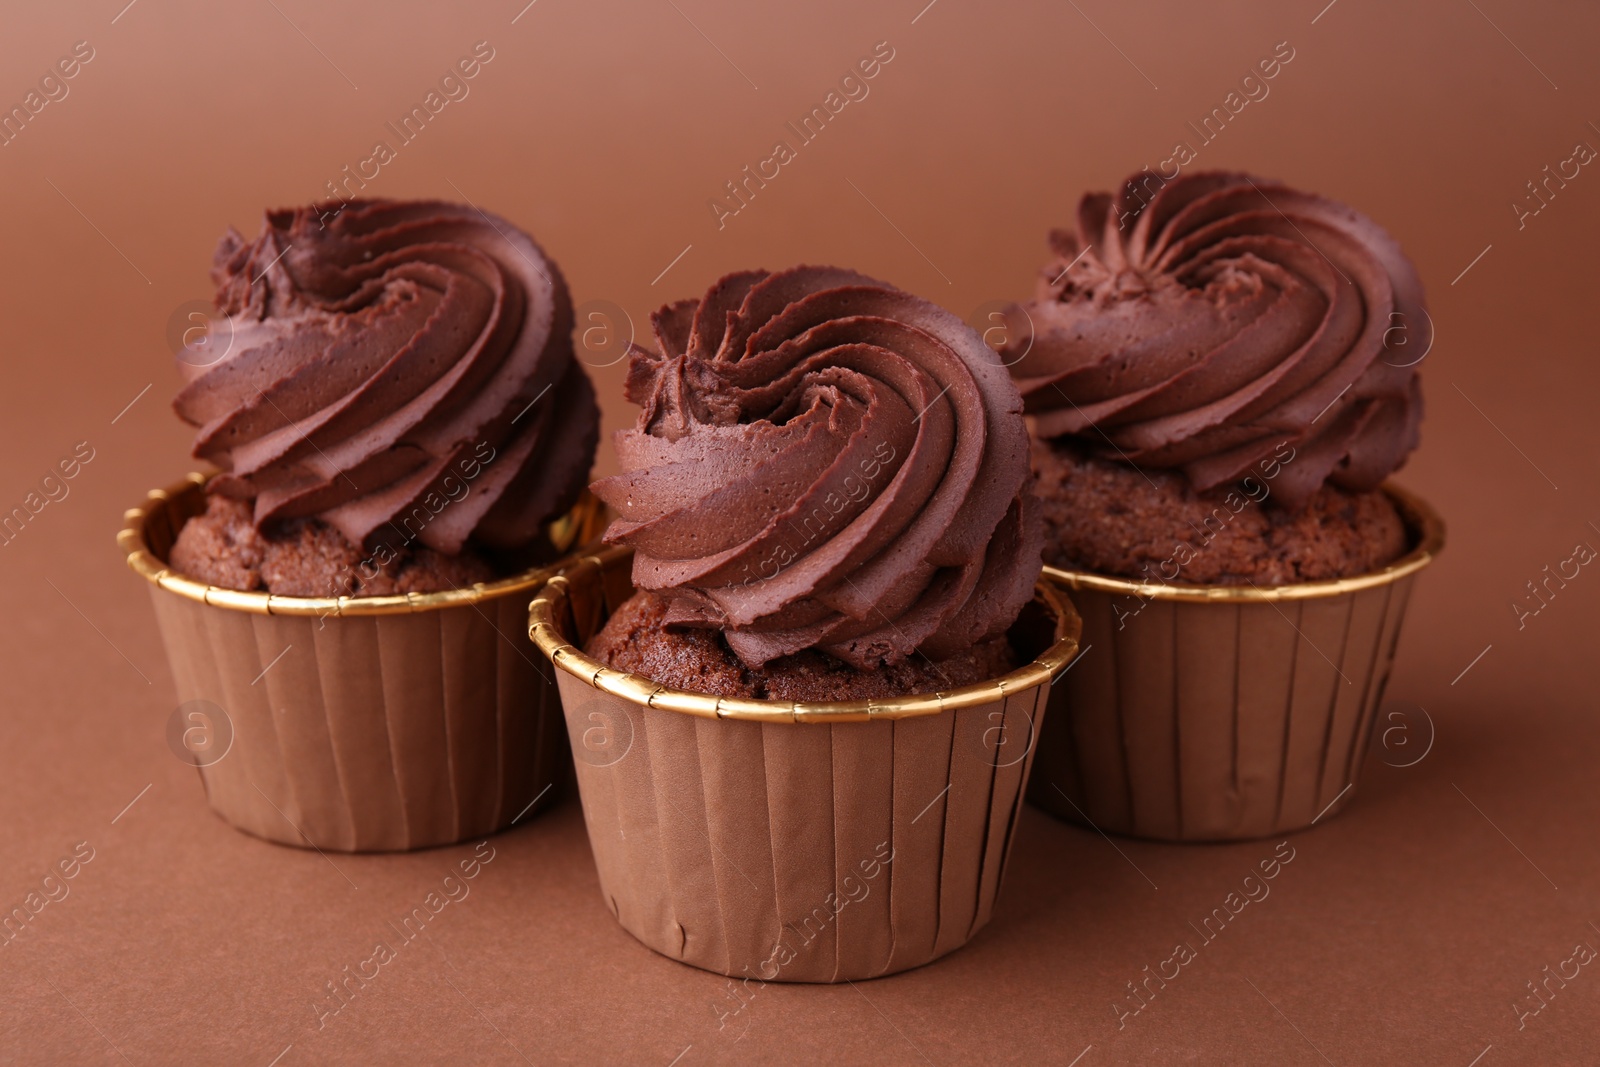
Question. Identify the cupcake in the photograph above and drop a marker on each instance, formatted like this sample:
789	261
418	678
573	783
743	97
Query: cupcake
401	436
1220	374
804	683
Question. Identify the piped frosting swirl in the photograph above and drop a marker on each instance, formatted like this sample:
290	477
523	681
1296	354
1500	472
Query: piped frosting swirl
1204	322
824	461
404	372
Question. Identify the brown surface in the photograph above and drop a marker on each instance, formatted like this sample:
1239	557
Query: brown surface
1110	518
1405	928
308	558
699	660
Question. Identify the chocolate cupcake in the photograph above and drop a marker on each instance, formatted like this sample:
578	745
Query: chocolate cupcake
402	435
1220	374
821	626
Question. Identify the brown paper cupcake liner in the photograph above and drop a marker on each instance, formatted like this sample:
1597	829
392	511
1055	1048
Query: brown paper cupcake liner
361	723
786	841
1220	713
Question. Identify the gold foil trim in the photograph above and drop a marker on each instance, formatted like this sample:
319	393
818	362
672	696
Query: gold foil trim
185	499
1425	524
586	575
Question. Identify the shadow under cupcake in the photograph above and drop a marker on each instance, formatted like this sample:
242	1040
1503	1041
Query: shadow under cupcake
1220	375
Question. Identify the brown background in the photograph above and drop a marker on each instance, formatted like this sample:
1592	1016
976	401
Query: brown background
1403	931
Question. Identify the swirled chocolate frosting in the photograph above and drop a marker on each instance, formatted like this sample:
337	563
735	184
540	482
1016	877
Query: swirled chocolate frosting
1203	322
824	461
398	370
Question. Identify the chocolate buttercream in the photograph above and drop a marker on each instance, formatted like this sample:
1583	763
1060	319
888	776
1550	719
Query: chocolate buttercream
403	372
1203	322
824	461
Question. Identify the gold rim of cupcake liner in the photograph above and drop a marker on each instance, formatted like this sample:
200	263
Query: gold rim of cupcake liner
637	689
1420	518
579	526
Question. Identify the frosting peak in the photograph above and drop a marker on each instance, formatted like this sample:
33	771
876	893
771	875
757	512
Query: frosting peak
824	461
1203	322
405	372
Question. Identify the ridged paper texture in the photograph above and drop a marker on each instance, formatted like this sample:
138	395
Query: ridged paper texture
800	852
1216	721
371	733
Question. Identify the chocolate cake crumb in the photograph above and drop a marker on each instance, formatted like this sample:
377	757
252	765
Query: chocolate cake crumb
700	661
308	558
1110	518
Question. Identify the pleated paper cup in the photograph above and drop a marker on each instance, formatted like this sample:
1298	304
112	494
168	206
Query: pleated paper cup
357	724
793	842
1224	713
